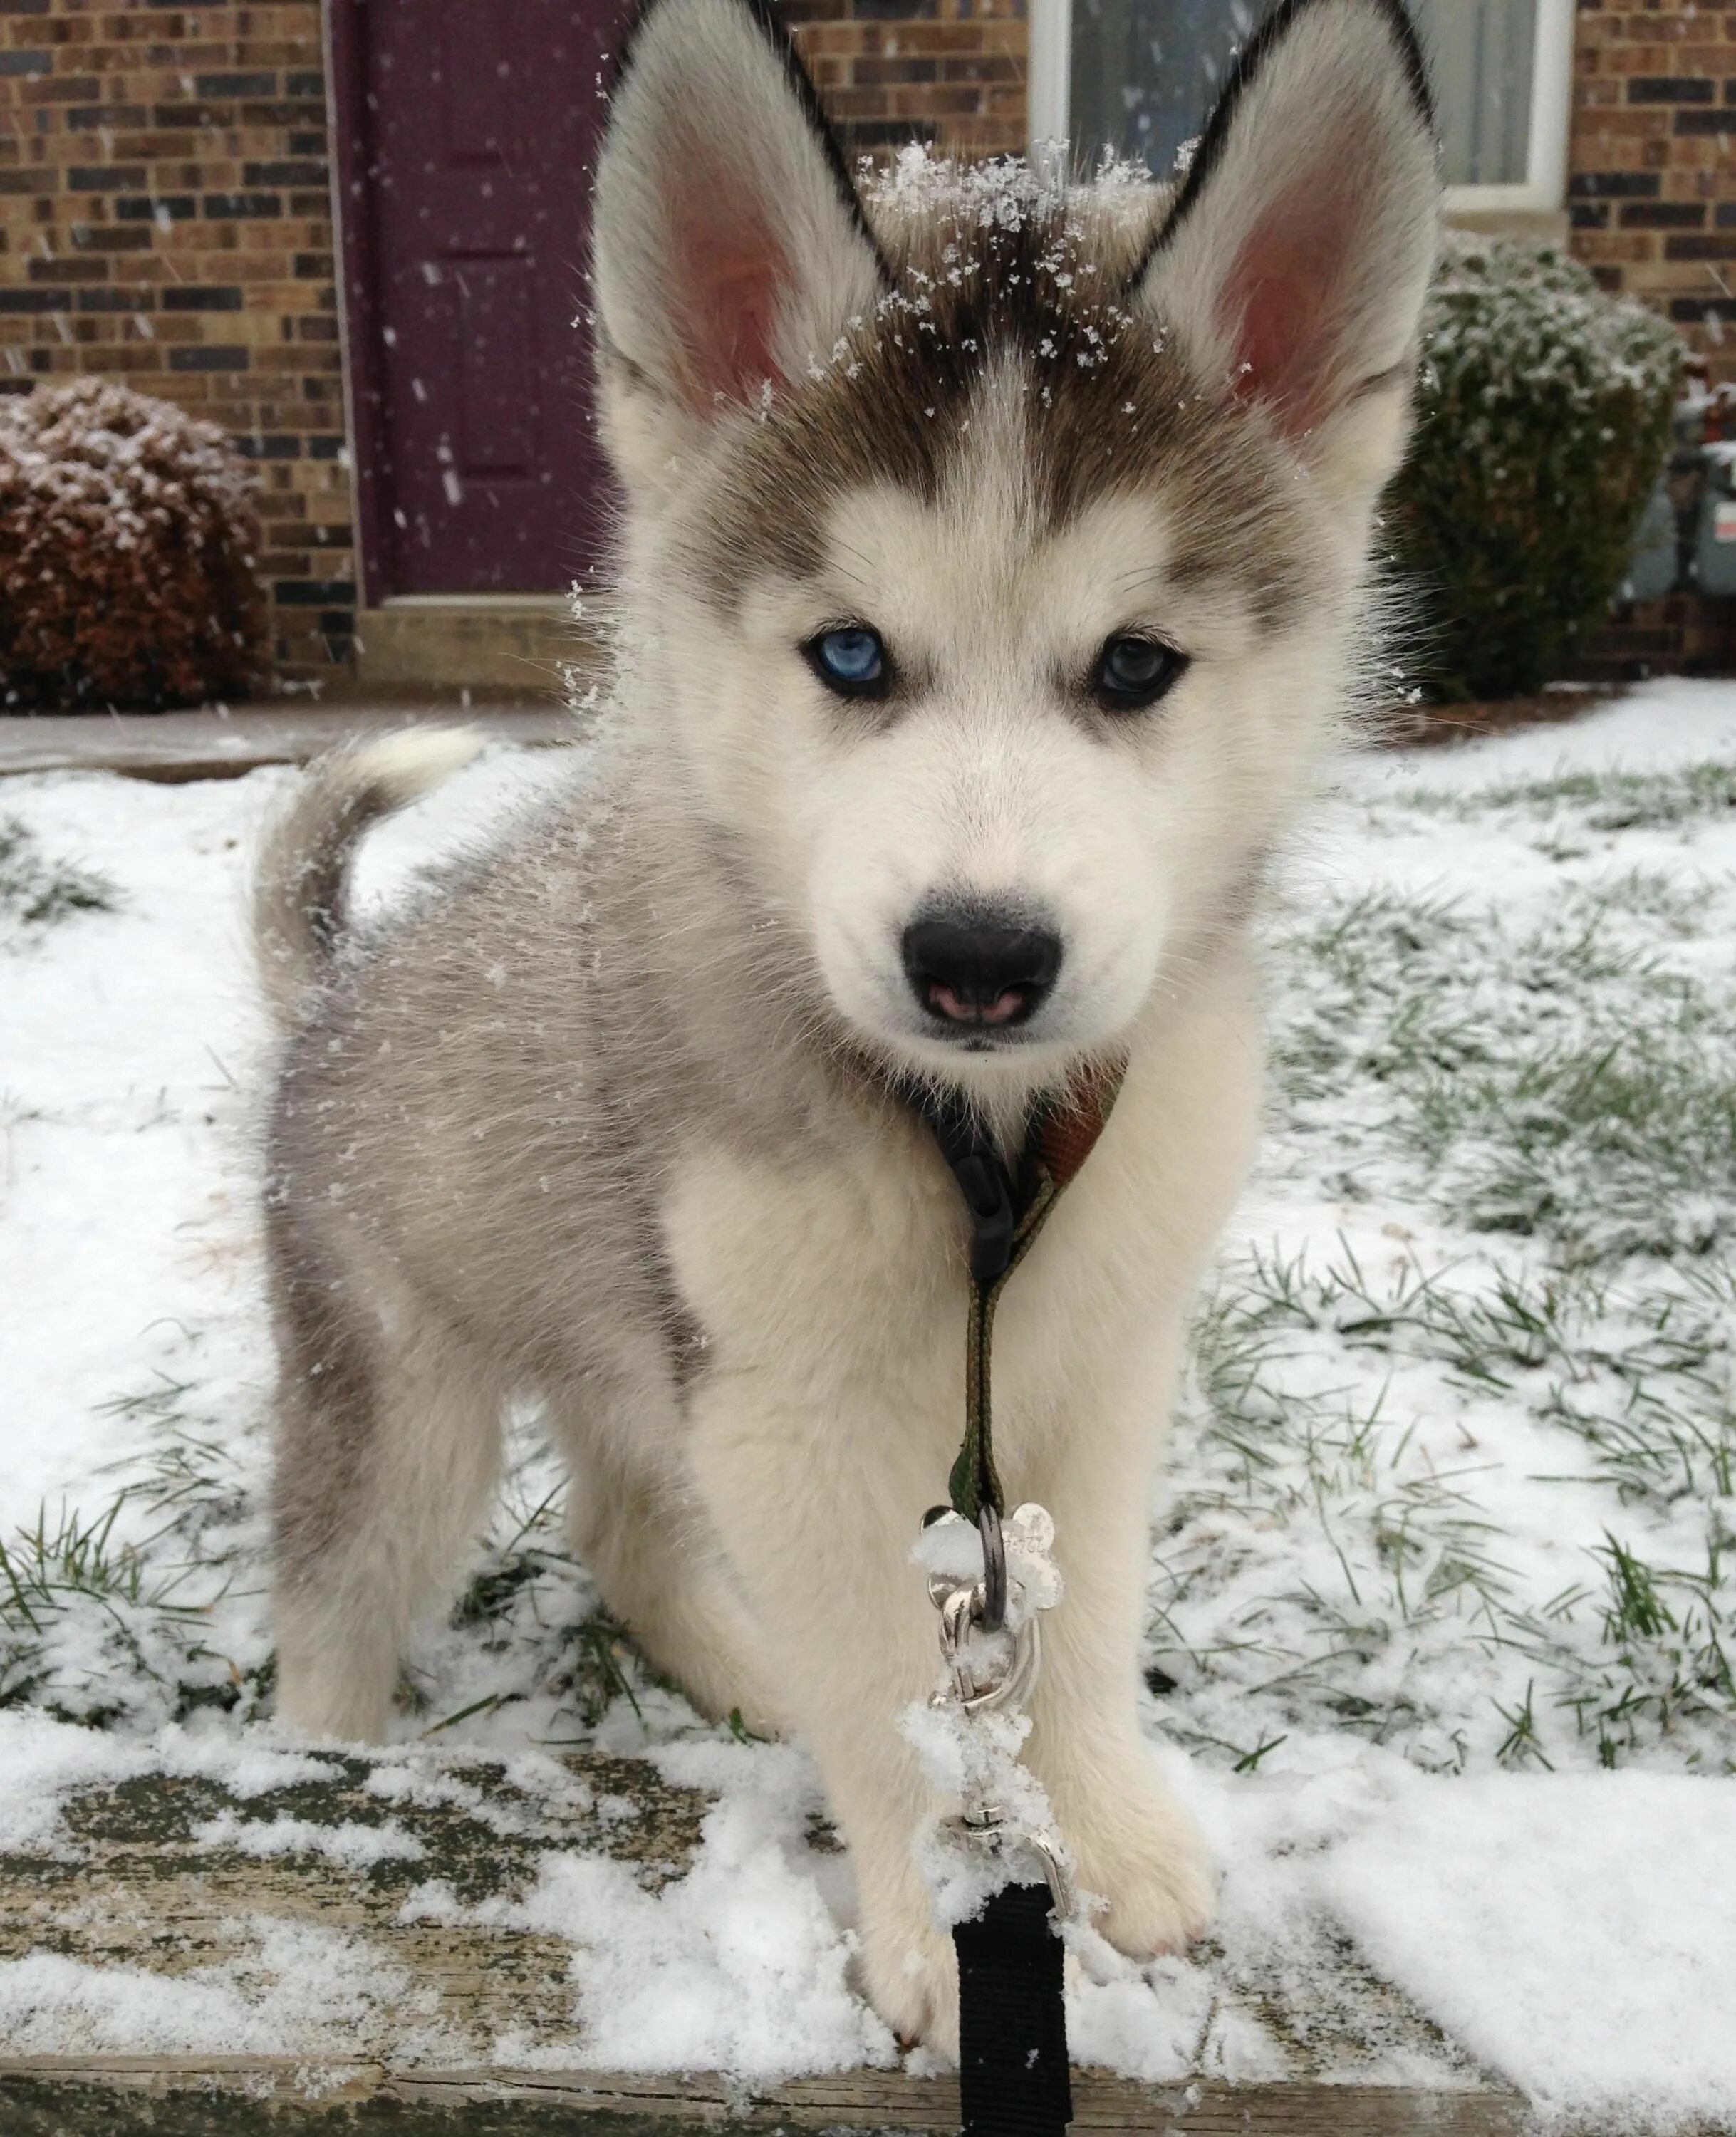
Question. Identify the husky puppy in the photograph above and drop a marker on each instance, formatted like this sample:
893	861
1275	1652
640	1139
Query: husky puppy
996	561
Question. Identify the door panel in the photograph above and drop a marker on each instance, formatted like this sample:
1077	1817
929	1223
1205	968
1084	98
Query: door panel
473	127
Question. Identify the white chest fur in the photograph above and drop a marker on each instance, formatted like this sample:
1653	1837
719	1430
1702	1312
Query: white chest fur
840	1288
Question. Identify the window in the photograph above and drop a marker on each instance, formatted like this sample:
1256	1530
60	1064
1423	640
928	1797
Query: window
1136	76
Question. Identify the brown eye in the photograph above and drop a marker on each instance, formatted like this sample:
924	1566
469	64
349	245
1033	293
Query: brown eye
1133	673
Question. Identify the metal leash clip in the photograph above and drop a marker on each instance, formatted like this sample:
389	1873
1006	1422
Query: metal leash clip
986	1828
977	1687
990	1663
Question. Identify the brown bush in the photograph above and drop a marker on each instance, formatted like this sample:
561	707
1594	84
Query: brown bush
127	537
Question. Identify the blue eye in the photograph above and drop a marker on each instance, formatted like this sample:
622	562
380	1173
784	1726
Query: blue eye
850	659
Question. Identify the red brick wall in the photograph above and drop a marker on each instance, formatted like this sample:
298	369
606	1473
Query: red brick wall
1653	189
1652	197
164	214
950	72
164	219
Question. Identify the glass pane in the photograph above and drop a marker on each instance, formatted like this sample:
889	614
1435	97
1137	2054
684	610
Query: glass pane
1480	54
1144	73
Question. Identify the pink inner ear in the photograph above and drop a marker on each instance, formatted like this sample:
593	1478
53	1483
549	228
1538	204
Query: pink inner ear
731	274
1284	302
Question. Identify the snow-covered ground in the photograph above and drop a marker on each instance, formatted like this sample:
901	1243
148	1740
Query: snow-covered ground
1443	1594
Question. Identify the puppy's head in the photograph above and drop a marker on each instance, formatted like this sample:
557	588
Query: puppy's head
1001	546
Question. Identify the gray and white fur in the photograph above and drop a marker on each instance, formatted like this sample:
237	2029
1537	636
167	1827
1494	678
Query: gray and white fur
614	1120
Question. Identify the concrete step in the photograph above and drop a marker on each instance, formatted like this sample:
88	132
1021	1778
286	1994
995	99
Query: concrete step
179	1877
505	642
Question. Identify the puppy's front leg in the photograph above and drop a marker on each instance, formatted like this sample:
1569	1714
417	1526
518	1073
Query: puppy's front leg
818	1519
1136	1846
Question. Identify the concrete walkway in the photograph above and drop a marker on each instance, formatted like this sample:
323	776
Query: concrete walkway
222	744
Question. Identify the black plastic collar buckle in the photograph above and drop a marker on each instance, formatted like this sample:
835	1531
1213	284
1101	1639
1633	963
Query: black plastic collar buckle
987	1188
985	1180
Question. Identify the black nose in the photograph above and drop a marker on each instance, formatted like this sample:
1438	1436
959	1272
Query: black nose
975	969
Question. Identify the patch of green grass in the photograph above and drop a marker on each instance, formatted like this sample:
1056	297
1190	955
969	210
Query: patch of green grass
530	1596
1559	1081
1321	1570
76	1602
152	1607
35	891
1604	801
139	1612
1521	1741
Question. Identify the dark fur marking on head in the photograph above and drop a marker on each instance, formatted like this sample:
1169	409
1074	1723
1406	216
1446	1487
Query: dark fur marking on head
1047	295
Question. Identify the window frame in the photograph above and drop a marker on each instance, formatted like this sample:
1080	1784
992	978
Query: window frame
1543	190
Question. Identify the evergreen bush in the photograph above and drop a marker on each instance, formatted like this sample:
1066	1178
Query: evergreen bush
1544	419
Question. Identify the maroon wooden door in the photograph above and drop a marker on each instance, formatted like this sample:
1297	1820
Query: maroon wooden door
467	131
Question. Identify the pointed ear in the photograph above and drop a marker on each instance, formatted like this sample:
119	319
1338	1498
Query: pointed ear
1296	259
730	248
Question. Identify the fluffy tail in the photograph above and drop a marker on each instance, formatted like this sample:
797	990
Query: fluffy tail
298	893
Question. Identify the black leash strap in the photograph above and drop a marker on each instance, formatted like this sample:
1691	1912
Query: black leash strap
1013	2072
1013	2060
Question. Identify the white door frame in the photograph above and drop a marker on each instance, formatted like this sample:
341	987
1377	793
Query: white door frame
1049	71
1543	189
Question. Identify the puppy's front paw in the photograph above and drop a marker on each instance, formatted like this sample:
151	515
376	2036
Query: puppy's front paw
1140	1850
911	1977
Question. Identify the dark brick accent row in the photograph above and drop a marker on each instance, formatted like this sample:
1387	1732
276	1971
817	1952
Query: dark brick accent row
234	84
208	356
1614	185
90	118
190	297
1701	248
300	171
106	178
313	593
1664	215
177	207
1670	89
241	208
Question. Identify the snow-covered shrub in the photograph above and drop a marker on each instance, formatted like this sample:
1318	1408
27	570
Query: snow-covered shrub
1543	419
127	537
